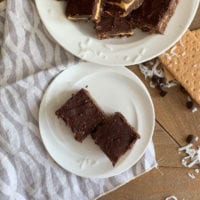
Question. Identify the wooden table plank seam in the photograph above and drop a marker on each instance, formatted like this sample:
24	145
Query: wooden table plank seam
168	133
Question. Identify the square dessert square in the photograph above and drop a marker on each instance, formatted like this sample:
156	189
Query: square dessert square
154	15
115	137
81	114
112	25
84	9
125	7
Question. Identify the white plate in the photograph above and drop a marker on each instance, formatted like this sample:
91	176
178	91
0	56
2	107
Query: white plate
114	89
80	40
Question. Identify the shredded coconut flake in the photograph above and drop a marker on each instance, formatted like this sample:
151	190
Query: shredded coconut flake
181	43
185	147
171	84
171	198
193	156
145	71
152	85
172	52
151	62
192	176
194	109
173	49
155	70
169	57
148	73
195	65
183	54
189	98
196	171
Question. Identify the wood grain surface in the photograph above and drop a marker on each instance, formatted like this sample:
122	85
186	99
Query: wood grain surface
174	122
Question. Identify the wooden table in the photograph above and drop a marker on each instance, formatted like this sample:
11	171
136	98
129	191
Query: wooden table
173	124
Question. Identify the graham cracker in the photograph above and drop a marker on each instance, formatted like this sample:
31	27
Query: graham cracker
183	61
197	34
168	76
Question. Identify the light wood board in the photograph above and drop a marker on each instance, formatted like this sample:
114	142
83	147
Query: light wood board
173	124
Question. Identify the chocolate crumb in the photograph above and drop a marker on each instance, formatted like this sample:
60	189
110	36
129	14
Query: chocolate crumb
189	104
191	139
86	86
163	93
182	89
161	81
154	78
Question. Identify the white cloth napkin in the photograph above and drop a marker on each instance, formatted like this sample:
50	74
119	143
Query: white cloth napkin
29	60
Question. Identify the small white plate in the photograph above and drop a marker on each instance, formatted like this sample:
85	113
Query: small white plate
114	89
80	39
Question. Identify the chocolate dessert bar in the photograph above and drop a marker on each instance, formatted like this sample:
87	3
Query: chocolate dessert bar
112	26
115	137
125	7
81	114
83	9
154	15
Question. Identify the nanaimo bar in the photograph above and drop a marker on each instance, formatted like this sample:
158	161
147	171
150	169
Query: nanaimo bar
84	10
113	26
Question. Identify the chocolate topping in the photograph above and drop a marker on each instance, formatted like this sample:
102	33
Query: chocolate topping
120	17
154	15
81	114
115	137
112	25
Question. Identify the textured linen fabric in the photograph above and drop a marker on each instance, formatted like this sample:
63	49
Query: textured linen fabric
29	60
